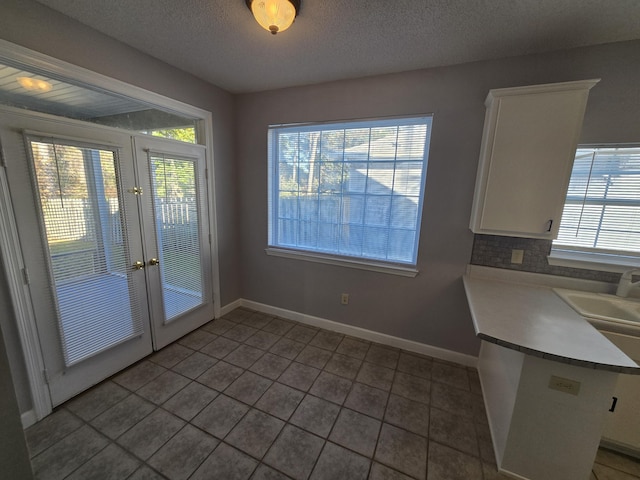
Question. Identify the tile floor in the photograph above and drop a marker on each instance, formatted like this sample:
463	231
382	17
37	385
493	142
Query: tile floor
249	396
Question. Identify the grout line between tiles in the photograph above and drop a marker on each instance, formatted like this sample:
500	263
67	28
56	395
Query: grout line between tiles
243	316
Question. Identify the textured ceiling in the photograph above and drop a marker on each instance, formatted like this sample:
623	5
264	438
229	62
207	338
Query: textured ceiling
218	40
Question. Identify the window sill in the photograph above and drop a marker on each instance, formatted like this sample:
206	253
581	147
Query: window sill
593	261
372	266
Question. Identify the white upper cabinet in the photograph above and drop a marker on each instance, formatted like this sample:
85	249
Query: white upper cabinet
528	146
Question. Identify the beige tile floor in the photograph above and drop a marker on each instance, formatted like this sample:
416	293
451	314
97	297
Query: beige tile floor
250	396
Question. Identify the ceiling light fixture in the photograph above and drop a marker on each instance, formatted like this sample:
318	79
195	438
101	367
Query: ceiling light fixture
274	15
33	84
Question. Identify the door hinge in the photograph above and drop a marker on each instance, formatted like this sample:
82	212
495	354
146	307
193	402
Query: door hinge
209	239
45	375
206	174
25	276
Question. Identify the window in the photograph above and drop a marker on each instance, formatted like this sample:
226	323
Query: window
352	190
601	217
67	97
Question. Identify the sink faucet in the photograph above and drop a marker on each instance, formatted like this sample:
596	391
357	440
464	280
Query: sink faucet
626	285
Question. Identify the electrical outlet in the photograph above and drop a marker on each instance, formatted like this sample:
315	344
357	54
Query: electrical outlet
517	256
344	299
564	385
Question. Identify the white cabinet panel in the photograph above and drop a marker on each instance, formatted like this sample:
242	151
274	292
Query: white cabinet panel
529	142
622	427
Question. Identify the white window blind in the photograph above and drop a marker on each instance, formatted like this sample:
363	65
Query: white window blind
175	186
601	216
352	189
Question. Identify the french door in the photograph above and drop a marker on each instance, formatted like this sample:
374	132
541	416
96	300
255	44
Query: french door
176	236
114	233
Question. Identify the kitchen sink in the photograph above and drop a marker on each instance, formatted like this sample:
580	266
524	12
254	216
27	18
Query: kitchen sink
602	306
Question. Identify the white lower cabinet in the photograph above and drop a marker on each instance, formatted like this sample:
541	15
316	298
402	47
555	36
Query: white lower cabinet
622	426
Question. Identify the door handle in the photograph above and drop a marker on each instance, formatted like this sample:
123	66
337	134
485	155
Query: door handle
138	265
154	261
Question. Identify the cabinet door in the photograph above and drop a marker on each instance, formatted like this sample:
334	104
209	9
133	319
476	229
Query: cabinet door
622	426
531	163
528	147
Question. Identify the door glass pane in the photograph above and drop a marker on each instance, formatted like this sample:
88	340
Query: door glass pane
175	202
84	230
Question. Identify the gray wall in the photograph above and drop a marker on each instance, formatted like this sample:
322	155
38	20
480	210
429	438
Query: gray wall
9	330
14	457
31	25
430	308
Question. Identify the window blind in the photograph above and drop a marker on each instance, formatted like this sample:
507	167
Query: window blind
175	186
351	189
602	209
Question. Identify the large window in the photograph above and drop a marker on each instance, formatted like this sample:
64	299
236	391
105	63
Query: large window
350	189
601	217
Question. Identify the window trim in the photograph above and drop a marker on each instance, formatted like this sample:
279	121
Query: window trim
604	262
352	262
594	258
408	269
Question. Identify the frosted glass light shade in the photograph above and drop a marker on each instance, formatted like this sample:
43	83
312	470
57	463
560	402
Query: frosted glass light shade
274	15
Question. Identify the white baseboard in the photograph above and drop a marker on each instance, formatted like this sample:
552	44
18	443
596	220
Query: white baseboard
230	306
383	338
28	418
618	447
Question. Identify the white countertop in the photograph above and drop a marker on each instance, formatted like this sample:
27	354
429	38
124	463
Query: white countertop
534	320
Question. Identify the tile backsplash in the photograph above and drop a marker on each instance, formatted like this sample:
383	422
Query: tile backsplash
495	251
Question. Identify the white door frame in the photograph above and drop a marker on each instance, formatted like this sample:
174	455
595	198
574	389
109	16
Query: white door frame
9	240
16	274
